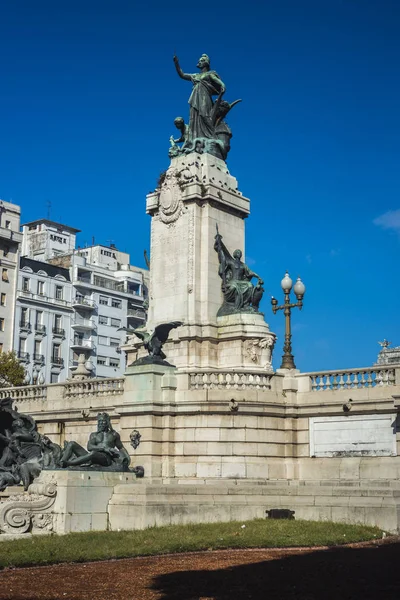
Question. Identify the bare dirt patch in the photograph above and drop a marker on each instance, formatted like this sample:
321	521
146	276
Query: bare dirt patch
365	570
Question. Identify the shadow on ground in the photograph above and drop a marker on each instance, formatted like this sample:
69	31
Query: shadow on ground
341	573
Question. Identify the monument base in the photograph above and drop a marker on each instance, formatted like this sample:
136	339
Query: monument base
239	341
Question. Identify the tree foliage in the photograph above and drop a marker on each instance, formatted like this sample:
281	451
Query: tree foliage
12	373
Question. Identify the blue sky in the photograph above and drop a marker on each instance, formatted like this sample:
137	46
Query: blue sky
88	99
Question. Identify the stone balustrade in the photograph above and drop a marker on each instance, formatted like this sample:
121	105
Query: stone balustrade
69	389
208	380
351	378
94	387
26	392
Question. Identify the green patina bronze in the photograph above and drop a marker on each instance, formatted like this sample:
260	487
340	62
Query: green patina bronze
240	295
207	131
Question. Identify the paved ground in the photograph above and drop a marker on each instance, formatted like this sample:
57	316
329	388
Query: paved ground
358	571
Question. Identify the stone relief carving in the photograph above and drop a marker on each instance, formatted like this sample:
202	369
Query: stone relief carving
259	351
170	201
32	510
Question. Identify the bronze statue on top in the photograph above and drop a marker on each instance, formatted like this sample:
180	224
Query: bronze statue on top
240	295
207	132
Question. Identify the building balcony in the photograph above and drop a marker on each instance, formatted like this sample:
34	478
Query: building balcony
78	344
81	303
25	326
82	281
84	325
40	329
38	359
58	331
136	313
57	361
42	298
23	356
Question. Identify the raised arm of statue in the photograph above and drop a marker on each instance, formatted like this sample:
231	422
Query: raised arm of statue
179	70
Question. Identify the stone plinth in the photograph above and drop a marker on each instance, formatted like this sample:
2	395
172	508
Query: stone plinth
149	393
82	498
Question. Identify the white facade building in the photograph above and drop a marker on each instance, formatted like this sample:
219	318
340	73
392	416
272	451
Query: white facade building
10	241
108	295
101	293
43	239
43	317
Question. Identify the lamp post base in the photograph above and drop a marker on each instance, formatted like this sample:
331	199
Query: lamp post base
288	362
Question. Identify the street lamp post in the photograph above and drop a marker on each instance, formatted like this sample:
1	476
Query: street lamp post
299	289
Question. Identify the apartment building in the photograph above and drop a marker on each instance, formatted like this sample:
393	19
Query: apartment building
108	295
43	320
43	239
10	242
74	302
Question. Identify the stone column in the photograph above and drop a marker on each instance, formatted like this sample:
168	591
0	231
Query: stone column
195	194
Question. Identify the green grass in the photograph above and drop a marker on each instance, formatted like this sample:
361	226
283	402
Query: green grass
260	533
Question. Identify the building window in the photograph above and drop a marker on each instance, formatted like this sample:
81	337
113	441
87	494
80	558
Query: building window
54	377
114	362
116	303
101	360
1	347
2	321
24	316
56	354
103	320
3	299
57	323
36	351
4	275
103	300
39	322
115	322
22	346
103	340
8	224
25	284
6	250
59	292
115	342
40	288
32	227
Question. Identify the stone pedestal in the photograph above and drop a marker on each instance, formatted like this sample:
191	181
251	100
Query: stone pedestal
148	400
195	194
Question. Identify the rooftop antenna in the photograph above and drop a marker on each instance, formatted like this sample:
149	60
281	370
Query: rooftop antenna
48	204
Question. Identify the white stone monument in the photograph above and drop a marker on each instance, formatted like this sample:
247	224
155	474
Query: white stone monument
196	194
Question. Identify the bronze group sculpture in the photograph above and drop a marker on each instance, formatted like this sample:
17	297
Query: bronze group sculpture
24	452
207	131
240	295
